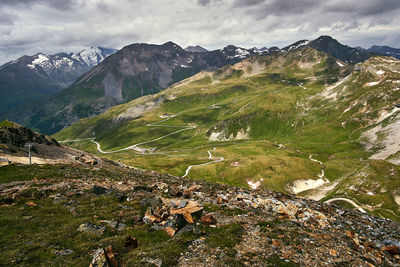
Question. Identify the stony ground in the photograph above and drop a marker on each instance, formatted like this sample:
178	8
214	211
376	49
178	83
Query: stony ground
72	215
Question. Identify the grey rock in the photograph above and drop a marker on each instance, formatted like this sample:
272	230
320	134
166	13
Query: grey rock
156	227
156	262
121	226
152	202
91	228
188	229
99	259
63	252
182	204
176	221
98	190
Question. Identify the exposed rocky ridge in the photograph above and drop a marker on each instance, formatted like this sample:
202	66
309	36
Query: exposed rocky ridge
229	224
196	48
331	46
44	149
384	50
18	136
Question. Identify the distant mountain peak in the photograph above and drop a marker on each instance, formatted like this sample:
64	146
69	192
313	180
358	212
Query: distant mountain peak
333	47
196	49
93	55
31	77
171	44
384	50
325	38
296	45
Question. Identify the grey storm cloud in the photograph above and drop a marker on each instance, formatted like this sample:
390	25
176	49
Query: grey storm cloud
208	2
204	2
50	26
363	8
57	4
284	7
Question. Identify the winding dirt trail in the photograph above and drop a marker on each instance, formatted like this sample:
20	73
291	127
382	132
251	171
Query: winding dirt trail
136	146
156	124
217	159
348	201
310	184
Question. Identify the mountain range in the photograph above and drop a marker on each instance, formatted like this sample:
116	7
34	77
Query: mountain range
196	48
141	69
331	46
384	50
133	71
32	77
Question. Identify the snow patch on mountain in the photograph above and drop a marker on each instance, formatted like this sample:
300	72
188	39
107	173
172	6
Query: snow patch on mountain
297	45
380	72
92	56
241	53
41	60
340	64
372	83
68	62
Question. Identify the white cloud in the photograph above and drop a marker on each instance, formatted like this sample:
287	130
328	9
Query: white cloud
49	26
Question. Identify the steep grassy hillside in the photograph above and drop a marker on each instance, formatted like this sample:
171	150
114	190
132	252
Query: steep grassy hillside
294	122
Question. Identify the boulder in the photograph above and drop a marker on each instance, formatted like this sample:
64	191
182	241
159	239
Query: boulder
91	228
99	259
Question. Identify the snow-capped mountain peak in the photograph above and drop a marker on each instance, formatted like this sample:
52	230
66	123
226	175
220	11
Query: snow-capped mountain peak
68	62
40	60
91	56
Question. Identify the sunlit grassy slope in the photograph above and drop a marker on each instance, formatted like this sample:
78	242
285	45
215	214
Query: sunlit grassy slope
265	116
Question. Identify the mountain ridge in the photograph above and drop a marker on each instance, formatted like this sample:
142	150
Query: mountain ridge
331	46
141	69
31	77
384	50
196	48
135	70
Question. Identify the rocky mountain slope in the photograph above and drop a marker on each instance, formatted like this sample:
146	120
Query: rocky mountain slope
196	48
300	121
384	50
32	77
134	71
108	215
331	46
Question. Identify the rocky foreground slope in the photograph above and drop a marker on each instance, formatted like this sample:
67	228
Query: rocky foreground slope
14	140
114	216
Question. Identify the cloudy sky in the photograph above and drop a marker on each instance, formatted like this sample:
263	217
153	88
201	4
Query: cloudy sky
50	26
